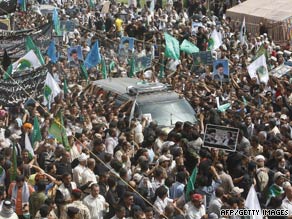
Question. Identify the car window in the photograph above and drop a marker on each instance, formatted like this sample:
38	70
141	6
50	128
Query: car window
168	113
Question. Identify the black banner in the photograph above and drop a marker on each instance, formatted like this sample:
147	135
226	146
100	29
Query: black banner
7	6
12	92
14	41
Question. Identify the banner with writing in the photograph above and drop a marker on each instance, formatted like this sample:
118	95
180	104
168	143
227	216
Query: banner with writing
12	91
7	6
14	41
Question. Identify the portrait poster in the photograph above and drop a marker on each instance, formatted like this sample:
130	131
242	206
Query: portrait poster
75	50
195	26
281	70
221	70
126	45
221	137
204	57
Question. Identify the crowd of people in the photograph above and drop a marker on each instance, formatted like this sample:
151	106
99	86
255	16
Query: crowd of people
119	168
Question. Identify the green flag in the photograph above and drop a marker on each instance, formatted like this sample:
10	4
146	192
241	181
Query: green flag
65	87
22	5
47	92
8	72
13	168
103	69
188	47
36	133
171	47
56	22
161	71
112	65
215	40
224	107
191	183
244	101
262	51
58	130
30	45
84	72
91	4
132	67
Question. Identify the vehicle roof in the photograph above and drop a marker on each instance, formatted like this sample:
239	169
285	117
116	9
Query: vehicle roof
161	96
119	86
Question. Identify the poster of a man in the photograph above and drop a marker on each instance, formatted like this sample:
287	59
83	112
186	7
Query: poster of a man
211	136
75	56
126	45
221	137
228	140
221	70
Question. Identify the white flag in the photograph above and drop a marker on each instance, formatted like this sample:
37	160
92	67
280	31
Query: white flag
152	6
252	202
51	90
258	69
28	144
242	32
215	40
29	60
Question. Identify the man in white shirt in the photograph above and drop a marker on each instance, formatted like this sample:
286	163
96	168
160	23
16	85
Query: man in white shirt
96	203
77	171
111	142
88	174
161	201
287	201
195	209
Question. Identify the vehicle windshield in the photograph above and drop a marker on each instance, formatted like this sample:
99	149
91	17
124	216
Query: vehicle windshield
168	113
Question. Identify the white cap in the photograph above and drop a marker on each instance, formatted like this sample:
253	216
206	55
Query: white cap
83	157
273	58
284	116
260	157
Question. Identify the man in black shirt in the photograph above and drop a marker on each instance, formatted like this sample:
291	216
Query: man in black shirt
108	23
201	39
64	165
131	29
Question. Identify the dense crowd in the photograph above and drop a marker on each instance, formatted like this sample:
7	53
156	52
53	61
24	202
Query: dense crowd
119	168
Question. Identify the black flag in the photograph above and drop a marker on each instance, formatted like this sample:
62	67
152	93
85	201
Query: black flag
89	23
6	60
